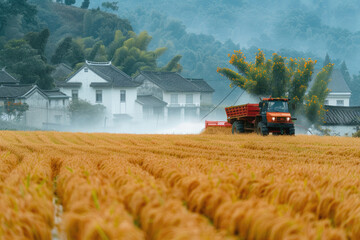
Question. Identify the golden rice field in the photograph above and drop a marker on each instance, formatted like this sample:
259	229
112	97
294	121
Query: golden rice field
209	186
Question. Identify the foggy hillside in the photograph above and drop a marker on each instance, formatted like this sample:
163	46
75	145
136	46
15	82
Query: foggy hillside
307	25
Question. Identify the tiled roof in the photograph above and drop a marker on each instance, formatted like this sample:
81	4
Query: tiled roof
56	93
15	91
149	100
6	78
170	81
112	74
61	72
201	84
339	115
100	84
68	84
337	82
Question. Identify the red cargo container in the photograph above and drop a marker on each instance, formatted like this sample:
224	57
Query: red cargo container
249	110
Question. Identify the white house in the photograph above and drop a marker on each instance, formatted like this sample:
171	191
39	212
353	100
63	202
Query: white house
177	98
46	108
340	92
103	83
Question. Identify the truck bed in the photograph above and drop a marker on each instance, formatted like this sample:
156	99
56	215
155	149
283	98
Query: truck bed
240	111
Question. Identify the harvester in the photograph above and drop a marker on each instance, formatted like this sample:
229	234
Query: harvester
271	115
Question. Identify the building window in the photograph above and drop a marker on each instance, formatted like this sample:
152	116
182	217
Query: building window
326	102
75	94
98	96
63	102
339	102
174	99
86	69
189	98
49	103
122	95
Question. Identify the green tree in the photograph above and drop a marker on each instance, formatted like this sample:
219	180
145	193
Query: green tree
110	5
314	100
133	55
173	65
15	111
85	4
70	2
327	60
276	77
26	63
345	72
81	112
11	8
38	41
69	52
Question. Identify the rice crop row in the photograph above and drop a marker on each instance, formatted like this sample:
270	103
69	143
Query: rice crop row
208	186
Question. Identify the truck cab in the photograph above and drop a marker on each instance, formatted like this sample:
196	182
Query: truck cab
274	117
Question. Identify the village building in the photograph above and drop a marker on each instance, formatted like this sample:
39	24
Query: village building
175	98
6	78
103	83
340	92
61	72
342	120
45	107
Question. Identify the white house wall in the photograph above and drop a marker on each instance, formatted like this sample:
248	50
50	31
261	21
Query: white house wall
110	96
182	98
38	110
341	130
333	97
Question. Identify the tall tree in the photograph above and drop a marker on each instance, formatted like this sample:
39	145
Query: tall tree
70	2
26	63
68	51
11	8
327	60
38	41
345	72
277	77
85	4
314	100
110	5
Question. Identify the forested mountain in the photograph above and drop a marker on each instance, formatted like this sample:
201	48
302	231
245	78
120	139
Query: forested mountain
319	27
40	33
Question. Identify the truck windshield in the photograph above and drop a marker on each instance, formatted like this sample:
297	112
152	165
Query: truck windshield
278	106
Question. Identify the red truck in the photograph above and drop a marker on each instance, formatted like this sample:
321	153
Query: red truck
271	115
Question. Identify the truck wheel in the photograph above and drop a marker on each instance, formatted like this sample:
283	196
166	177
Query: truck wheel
291	131
237	127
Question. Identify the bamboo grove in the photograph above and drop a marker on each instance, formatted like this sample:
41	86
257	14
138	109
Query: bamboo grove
282	77
107	186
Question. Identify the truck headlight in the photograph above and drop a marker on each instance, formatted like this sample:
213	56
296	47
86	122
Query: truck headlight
287	119
273	118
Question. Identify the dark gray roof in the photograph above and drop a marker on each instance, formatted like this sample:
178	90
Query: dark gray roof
149	100
201	84
68	84
6	78
170	81
15	91
108	72
61	72
339	115
56	93
337	82
100	84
